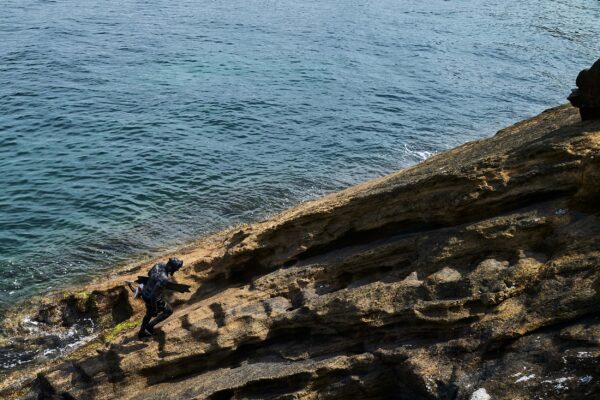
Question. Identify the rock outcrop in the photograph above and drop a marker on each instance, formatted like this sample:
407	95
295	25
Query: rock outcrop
587	95
472	275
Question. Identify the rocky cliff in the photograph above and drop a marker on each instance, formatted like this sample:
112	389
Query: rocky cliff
472	275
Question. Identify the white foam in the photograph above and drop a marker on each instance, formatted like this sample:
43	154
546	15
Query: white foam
69	339
30	325
480	394
557	380
420	155
560	384
525	378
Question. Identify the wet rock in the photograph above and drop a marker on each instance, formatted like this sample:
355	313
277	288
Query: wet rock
587	95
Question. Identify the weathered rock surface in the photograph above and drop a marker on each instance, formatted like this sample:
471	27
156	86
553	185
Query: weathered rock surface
473	275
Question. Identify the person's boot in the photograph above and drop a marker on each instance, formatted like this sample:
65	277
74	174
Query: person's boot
144	333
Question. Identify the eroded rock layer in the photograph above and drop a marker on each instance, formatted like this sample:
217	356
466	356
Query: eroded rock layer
473	275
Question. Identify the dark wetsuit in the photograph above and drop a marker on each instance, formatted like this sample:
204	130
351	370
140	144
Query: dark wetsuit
152	294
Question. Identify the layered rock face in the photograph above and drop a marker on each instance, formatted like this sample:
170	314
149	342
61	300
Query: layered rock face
473	275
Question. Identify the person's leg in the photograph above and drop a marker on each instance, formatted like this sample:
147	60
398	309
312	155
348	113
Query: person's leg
150	312
165	312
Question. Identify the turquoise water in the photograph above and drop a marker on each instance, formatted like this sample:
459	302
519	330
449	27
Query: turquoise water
127	127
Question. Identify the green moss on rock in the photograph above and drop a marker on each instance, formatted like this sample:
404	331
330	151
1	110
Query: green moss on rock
126	325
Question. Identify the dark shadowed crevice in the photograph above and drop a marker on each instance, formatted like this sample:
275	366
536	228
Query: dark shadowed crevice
121	309
318	345
226	394
498	348
245	270
407	227
80	376
238	275
218	314
183	368
112	366
45	390
271	388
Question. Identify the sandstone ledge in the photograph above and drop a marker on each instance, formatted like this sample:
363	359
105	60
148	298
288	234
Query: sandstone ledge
475	271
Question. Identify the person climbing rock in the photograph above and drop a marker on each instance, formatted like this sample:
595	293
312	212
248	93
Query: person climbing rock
157	306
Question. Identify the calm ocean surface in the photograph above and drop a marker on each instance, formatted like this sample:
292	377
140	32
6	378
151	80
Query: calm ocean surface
127	127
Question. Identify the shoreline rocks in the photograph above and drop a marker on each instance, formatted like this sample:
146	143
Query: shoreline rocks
474	274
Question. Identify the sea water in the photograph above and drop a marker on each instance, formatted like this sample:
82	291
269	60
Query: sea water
131	126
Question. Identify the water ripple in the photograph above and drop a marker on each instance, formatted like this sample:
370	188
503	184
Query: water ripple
127	127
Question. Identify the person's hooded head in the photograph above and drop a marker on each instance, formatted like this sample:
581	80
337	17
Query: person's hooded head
173	265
